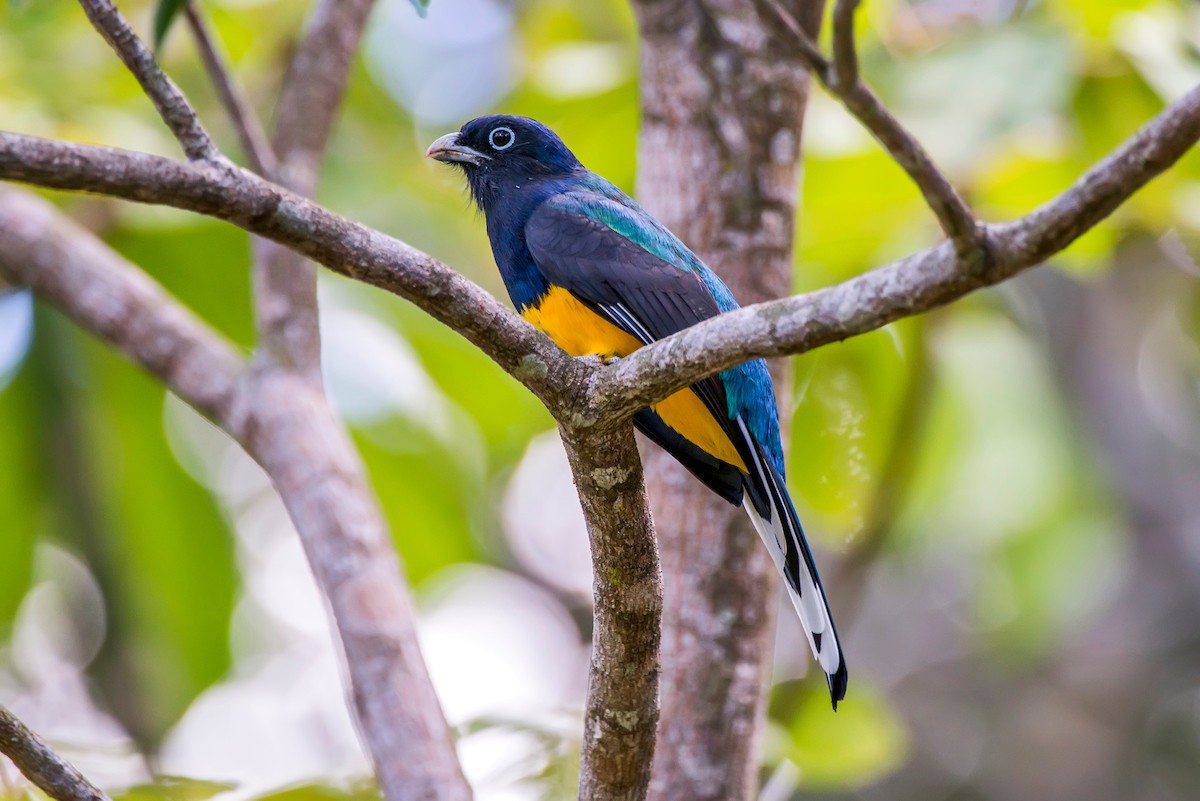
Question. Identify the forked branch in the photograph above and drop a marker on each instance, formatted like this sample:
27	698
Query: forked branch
841	77
172	106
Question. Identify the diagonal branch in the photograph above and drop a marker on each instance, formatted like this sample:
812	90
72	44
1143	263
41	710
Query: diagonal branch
841	77
311	95
81	276
163	93
51	773
915	284
245	122
285	424
234	195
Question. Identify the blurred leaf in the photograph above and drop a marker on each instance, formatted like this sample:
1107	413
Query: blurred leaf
203	263
174	788
858	211
431	502
507	414
23	474
164	17
847	400
422	6
853	747
982	86
161	551
365	790
1094	20
1041	581
1107	109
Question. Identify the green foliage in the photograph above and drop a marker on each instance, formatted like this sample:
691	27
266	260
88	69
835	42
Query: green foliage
163	552
852	747
164	18
174	788
21	507
953	439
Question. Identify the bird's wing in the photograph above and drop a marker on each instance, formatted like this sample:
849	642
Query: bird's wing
635	289
638	290
649	295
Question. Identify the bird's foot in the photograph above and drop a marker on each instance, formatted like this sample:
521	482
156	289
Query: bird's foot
597	360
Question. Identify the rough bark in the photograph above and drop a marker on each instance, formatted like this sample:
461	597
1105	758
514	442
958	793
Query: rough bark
591	402
722	104
622	702
41	765
285	283
285	424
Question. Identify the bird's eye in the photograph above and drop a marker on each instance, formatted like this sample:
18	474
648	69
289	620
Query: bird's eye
501	138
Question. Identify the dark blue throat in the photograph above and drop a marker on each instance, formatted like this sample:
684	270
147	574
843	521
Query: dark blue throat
507	201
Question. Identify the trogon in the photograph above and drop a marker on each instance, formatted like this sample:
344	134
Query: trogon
591	269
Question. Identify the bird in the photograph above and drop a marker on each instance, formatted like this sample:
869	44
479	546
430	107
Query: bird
591	269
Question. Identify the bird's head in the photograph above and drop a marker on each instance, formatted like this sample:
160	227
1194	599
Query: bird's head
500	153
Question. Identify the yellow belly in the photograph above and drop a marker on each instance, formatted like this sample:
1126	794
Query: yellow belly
581	332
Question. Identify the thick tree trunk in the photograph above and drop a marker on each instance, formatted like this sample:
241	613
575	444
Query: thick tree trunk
722	105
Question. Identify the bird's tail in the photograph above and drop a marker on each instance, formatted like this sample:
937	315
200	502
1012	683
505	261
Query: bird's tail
774	516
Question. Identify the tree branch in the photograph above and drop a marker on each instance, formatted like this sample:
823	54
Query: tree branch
622	701
285	284
350	549
915	284
842	79
163	93
366	595
81	276
245	122
312	91
285	424
229	193
55	776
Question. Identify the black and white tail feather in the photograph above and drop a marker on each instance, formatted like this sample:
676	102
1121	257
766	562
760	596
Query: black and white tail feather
771	510
762	492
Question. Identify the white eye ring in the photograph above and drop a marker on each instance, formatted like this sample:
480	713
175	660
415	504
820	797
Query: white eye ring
512	138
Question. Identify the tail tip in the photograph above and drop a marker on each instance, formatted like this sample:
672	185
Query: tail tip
837	684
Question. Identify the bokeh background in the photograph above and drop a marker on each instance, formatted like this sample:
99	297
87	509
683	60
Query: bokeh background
1005	494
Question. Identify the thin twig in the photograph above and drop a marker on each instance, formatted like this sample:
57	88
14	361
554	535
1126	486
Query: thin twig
918	283
841	78
845	54
807	49
55	776
241	114
172	106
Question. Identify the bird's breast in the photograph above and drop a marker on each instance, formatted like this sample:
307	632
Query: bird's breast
581	332
577	329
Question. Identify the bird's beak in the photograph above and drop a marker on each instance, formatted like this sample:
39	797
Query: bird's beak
447	149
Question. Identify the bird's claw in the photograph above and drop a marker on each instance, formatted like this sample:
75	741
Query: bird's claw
596	360
592	360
